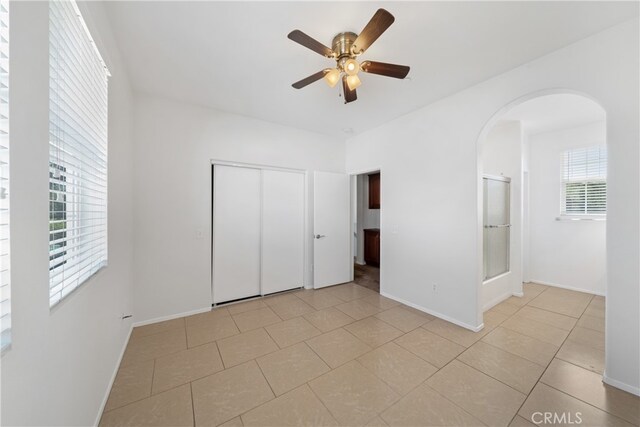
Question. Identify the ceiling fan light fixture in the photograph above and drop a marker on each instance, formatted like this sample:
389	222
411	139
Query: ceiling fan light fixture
353	82
332	76
351	67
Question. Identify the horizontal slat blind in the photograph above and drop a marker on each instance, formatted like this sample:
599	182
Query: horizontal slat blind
77	152
584	181
5	258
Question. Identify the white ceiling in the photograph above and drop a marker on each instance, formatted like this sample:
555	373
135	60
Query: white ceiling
553	112
235	56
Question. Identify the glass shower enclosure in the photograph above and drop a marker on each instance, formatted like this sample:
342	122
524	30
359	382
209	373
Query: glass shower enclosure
497	225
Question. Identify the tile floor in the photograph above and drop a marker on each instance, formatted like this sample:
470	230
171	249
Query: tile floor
347	356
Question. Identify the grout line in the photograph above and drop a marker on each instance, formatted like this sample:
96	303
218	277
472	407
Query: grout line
193	409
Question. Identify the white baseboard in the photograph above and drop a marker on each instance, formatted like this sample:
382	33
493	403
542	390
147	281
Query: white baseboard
171	316
570	288
622	386
518	294
434	313
496	301
113	378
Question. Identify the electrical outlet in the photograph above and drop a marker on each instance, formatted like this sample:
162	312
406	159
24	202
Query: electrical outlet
434	287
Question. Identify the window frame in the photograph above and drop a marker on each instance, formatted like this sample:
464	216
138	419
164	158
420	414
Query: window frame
586	181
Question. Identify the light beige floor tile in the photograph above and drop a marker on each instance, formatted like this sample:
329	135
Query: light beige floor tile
220	397
397	367
246	346
403	319
376	422
280	298
431	347
546	399
418	312
562	301
292	331
186	366
547	317
594	312
519	301
588	387
588	337
234	422
299	407
132	383
518	421
210	329
373	332
338	347
505	307
241	307
358	309
534	288
591	322
582	355
353	394
515	371
319	299
540	331
521	345
485	398
328	319
154	328
255	319
146	348
171	408
211	315
289	368
425	407
350	292
455	333
492	320
290	309
381	302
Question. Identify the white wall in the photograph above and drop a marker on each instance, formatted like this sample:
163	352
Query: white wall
432	187
59	367
570	254
367	218
175	143
502	156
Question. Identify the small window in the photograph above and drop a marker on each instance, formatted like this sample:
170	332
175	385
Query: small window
584	181
77	152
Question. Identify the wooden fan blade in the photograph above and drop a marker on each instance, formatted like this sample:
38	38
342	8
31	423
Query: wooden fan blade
310	43
308	80
384	69
377	25
349	95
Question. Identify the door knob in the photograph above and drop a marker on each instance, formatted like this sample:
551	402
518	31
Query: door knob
319	236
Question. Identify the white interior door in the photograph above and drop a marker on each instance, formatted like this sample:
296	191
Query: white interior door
331	216
282	230
236	233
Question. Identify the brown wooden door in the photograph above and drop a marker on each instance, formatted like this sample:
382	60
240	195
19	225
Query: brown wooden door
372	246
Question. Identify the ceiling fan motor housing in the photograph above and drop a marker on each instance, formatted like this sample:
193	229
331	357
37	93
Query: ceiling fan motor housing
342	45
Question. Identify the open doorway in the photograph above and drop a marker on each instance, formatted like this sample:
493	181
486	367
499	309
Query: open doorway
365	214
544	166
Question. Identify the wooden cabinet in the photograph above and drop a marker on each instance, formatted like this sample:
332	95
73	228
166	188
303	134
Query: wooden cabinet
372	246
374	191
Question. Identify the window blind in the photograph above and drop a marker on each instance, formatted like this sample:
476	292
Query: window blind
5	258
584	181
77	152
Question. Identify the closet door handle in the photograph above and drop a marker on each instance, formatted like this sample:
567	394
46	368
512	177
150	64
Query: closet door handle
319	236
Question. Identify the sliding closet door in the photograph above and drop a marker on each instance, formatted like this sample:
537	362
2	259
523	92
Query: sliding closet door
236	233
282	230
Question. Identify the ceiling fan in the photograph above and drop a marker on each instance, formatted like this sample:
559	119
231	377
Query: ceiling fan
346	47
